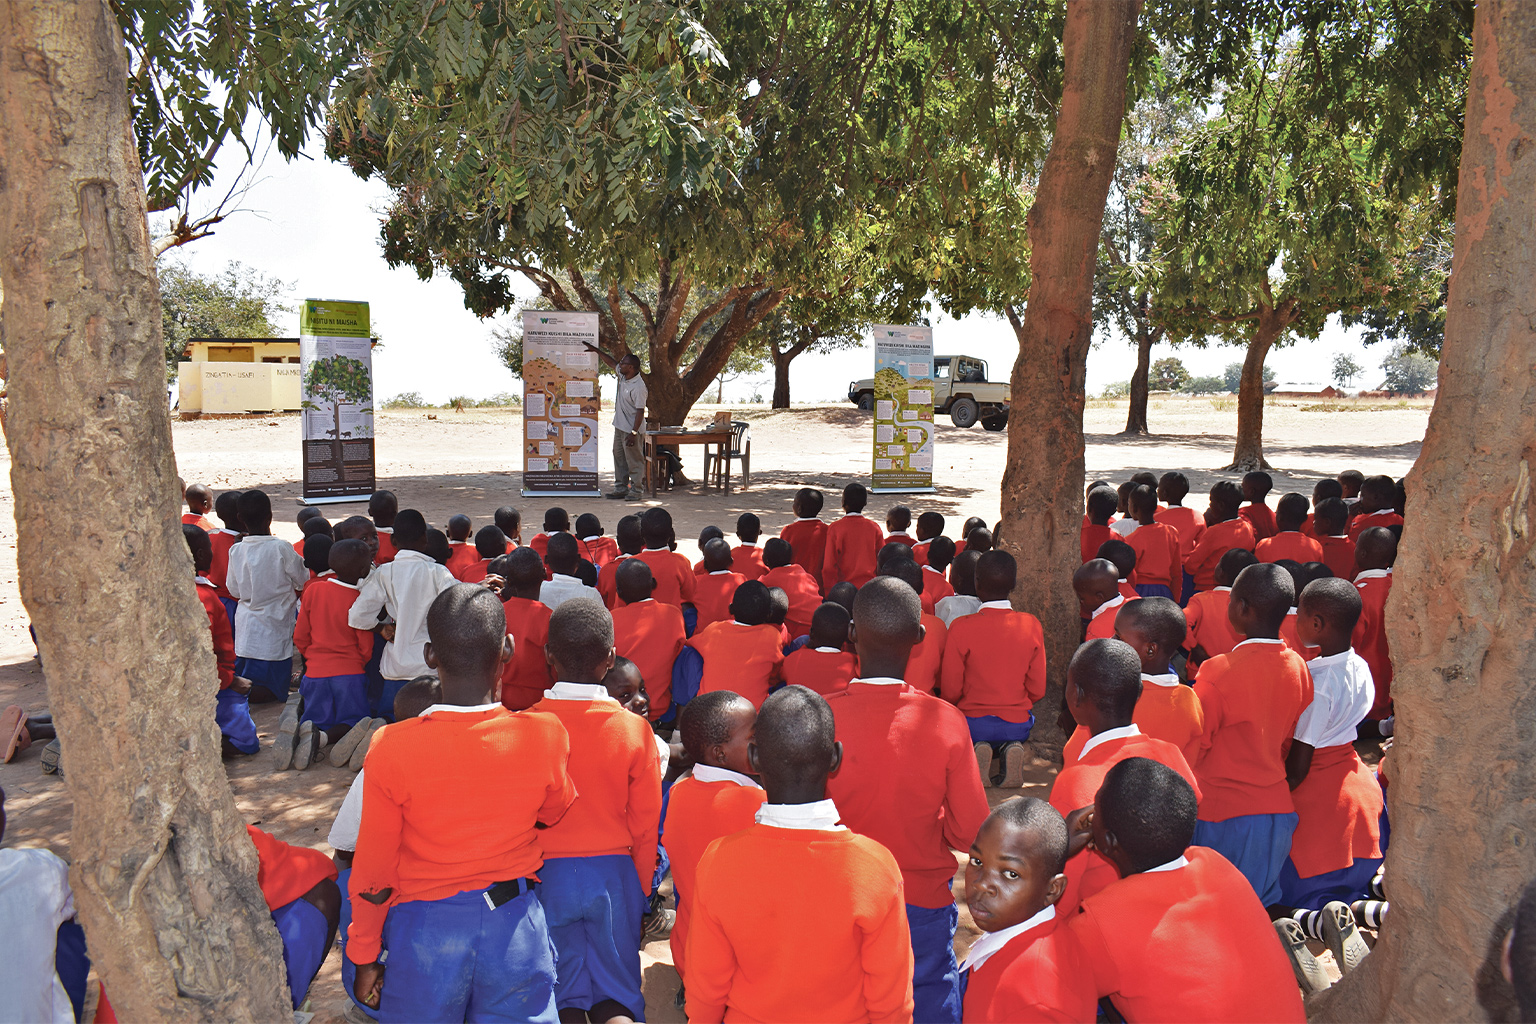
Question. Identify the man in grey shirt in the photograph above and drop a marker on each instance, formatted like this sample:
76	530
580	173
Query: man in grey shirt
628	419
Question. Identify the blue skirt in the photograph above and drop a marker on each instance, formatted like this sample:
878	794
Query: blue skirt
1258	845
330	701
272	676
992	729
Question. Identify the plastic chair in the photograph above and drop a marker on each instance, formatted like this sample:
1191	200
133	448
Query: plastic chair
741	449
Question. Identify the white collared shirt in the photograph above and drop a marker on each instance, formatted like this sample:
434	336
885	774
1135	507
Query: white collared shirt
459	709
264	573
1180	861
710	773
404	589
721	572
991	943
881	681
1342	693
1167	679
579	691
821	816
1260	640
1364	574
1124	527
956	606
1006	606
1108	734
35	899
1107	605
561	588
1222	590
808	519
829	650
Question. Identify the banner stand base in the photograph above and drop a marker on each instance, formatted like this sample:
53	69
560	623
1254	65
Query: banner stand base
562	494
903	490
336	499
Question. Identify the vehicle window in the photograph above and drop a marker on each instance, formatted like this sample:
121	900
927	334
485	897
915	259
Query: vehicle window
941	370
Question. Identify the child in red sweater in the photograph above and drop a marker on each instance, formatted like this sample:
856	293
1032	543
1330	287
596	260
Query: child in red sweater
1289	541
930	526
490	544
1155	628
599	859
994	670
908	780
936	585
627	535
510	522
1102	502
427	856
925	666
838	952
556	520
463	554
798	585
1321	491
648	633
595	548
1256	488
1375	553
1376	507
1123	556
1172	489
853	543
714	588
227	507
1097	586
716	798
199	503
747	556
1180	936
822	664
1210	630
383	507
1224	530
1025	966
526	676
1251	699
674	575
807	535
334	687
744	654
233	712
898	521
1330	526
1159	565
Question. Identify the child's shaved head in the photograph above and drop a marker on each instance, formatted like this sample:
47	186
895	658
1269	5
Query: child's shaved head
717	555
1331	517
887	612
353	528
382	506
1326	488
749	527
634	582
1043	824
627	533
656	528
895	549
557	520
1376	548
778	605
416	696
906	570
255	510
1173	487
1226	496
350	559
227	508
490	542
1159	619
1378	493
1231	564
562	554
996	574
525	569
509	520
1350	480
929	525
855	497
1015	866
1095	582
459	527
1121	554
200	546
843	593
941	553
580	640
709	533
898	518
435	546
751	604
962	571
808	502
1335	601
1106	674
588	525
316	524
796	744
1291	511
1143	503
979	539
707	721
317	552
1146	810
1266	589
199	497
777	553
829	625
467	629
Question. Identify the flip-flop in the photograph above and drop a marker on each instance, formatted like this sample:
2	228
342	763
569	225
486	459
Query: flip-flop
13	726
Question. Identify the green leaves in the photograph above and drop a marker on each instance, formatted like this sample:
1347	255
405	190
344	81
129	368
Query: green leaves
339	379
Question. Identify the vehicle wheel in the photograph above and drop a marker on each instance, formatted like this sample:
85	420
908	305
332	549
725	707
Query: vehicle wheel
962	412
997	422
867	401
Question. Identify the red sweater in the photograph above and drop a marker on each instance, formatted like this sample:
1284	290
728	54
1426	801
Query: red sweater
925	665
827	672
1093	537
935	589
1172	714
474	572
223	636
712	596
674	576
222	541
1363	522
1370	638
804	596
1191	944
1157	555
1217	541
330	646
807	539
286	872
1339	556
908	781
1262	517
747	559
607	581
387	549
1189	523
598	550
853	546
526	676
1251	700
426	835
615	769
463	554
1292	638
994	664
1102	625
1289	544
744	659
651	635
698	813
1037	978
200	521
1209	627
839	951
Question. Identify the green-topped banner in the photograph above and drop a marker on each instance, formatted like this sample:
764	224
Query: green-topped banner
336	399
903	458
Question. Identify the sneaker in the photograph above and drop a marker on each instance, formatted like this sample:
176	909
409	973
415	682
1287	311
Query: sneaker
1343	937
983	753
1310	974
635	495
287	734
306	745
1388	725
1014	756
355	1014
616	495
657	926
361	750
342	749
51	759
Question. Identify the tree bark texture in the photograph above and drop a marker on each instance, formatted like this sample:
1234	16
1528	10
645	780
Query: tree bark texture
1462	615
1136	415
1248	449
1042	493
163	874
805	338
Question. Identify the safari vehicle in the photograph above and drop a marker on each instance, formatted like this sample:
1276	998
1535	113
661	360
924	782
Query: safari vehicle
962	390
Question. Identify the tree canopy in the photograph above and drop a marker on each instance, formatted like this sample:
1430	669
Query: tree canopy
236	303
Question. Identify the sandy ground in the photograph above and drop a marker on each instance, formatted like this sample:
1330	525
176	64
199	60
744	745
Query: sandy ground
443	463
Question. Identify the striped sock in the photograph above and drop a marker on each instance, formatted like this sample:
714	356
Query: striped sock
1378	883
1311	922
1369	912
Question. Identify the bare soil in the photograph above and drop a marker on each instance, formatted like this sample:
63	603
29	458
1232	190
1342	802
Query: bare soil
443	462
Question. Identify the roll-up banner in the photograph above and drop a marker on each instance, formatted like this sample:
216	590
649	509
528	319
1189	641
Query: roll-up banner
903	409
336	401
560	403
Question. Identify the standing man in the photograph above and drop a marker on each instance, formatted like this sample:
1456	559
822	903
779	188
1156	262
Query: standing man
628	418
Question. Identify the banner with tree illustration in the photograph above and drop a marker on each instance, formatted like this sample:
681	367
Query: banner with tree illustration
336	396
561	403
903	409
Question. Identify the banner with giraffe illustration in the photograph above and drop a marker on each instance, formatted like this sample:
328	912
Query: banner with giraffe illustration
561	403
336	399
903	409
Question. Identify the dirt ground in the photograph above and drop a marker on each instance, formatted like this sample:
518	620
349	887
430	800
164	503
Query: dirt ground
444	463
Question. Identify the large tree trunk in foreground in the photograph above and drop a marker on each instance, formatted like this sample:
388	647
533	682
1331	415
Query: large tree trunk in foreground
1136	416
1042	499
1462	616
164	876
1248	450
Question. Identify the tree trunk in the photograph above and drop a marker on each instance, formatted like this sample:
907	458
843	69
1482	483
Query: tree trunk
1136	416
1248	450
1042	494
781	362
1462	615
164	877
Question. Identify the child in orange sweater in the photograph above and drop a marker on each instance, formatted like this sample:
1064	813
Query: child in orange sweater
1289	541
714	588
1330	526
853	543
747	556
843	941
744	654
798	585
1097	586
1256	488
463	551
1375	553
1224	530
1159	565
1210	631
595	547
1376	507
1168	710
930	526
807	535
199	503
648	633
822	664
601	856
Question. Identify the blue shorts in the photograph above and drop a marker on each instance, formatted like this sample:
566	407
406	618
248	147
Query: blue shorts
1346	884
936	991
594	907
991	729
381	695
71	963
1256	844
1154	590
272	676
233	713
456	959
304	930
330	701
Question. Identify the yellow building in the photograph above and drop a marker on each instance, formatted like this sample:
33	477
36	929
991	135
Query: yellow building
240	375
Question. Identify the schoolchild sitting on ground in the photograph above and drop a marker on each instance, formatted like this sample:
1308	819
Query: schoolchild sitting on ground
930	525
843	594
908	780
359	528
526	676
1159	565
463	549
748	553
1181	935
962	576
1102	691
706	535
383	507
844	940
600	857
801	588
1169	711
334	688
1097	586
1300	576
1321	491
556	521
561	584
926	665
435	546
490	544
425	857
233	713
227	507
744	654
941	552
807	535
265	576
778	614
1256	487
985	656
1376	507
1025	966
627	535
1288	540
1251	699
712	591
510	522
1336	849
1210	629
822	664
299	885
316	553
199	503
1124	558
717	797
595	547
647	632
674	575
898	521
979	539
853	543
1224	530
1172	489
1330	526
1375	554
